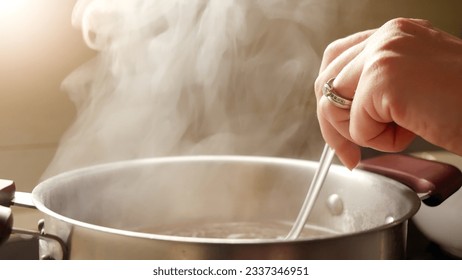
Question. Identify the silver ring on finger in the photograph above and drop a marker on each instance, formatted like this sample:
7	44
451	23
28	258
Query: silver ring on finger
336	99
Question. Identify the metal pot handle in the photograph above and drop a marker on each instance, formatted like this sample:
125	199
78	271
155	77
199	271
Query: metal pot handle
8	195
7	190
437	180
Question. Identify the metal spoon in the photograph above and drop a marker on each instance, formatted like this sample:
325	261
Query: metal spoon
320	175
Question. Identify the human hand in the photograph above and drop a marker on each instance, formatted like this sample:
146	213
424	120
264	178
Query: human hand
405	79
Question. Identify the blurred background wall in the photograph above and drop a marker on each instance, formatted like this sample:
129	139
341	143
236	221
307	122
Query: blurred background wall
38	49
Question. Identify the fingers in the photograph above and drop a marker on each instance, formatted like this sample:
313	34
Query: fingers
372	129
371	123
348	152
334	120
341	45
336	117
337	55
353	62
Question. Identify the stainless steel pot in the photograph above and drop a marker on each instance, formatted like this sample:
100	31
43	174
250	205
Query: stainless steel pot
128	210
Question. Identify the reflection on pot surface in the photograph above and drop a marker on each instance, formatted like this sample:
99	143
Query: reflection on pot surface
261	230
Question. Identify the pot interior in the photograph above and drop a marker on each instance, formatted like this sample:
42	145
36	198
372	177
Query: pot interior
225	197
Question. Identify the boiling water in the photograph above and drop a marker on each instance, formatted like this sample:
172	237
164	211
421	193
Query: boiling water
241	230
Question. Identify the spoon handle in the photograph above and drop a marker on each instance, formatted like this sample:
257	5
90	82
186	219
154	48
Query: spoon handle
316	184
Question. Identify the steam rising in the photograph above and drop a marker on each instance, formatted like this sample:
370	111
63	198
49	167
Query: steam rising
179	77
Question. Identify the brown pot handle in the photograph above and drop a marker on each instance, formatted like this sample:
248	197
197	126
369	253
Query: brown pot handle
439	180
7	190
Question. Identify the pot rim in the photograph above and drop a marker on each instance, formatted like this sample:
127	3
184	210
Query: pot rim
38	202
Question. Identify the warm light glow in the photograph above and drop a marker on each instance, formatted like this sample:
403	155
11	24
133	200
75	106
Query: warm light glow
9	7
22	28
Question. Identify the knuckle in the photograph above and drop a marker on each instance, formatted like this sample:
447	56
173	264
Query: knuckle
397	22
381	64
400	24
399	27
332	50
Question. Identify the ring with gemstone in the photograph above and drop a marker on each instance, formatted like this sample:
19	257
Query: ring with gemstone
339	101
